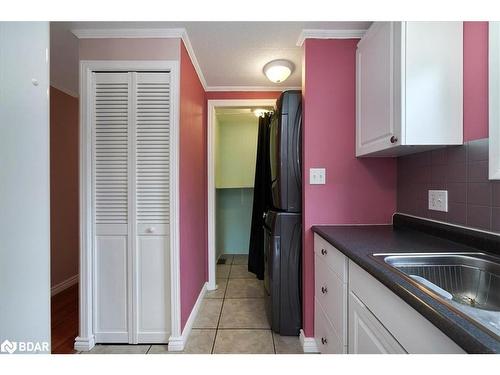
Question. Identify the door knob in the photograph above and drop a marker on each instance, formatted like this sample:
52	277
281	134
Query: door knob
394	139
324	289
150	230
324	341
324	252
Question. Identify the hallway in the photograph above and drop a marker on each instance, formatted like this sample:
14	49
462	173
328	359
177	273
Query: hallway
232	319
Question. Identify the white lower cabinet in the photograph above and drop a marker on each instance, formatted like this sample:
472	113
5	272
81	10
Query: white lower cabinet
356	314
330	298
366	334
327	340
329	291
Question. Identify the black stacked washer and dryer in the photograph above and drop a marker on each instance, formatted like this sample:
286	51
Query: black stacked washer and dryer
283	223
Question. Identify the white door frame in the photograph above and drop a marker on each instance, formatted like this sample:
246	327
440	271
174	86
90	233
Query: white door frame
86	340
212	104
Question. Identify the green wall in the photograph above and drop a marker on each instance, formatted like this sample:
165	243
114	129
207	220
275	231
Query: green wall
236	145
235	156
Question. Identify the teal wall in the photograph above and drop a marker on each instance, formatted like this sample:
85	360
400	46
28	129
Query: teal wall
233	220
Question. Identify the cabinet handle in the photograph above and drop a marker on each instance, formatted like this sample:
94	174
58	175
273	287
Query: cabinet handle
324	252
150	230
394	139
324	289
324	341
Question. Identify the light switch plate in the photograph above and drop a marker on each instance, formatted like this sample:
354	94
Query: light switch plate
317	176
438	200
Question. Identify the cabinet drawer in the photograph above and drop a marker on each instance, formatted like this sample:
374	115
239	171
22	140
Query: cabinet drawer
331	293
331	257
326	339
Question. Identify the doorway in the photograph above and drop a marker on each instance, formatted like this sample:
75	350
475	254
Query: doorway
232	144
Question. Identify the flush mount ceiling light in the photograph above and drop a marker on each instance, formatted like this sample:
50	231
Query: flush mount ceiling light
278	70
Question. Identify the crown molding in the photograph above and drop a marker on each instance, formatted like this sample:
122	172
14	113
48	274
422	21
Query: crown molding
178	33
251	88
328	34
128	33
194	60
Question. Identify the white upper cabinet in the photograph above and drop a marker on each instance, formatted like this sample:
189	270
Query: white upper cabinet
409	87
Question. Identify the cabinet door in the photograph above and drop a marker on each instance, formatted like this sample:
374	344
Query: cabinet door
377	83
433	83
366	334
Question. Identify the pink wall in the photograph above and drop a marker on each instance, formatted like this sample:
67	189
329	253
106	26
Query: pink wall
227	95
129	49
193	185
475	80
64	231
357	191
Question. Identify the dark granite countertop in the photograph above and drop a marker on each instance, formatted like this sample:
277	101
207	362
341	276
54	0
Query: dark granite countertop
359	242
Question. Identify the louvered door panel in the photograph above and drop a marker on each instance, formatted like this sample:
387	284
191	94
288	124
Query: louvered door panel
152	114
152	139
111	148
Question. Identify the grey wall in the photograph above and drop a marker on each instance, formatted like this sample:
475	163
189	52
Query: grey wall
24	187
473	200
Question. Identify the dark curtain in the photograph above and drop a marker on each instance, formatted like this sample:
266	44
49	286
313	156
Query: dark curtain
262	199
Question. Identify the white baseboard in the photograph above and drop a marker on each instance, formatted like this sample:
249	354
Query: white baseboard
58	288
176	344
308	343
84	344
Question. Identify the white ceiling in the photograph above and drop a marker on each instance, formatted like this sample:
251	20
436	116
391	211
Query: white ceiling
231	55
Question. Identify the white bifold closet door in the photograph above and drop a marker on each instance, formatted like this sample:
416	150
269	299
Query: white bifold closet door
131	126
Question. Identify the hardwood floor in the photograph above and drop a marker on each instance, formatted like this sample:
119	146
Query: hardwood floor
64	315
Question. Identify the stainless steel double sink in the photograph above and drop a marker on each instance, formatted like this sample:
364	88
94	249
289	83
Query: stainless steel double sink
466	281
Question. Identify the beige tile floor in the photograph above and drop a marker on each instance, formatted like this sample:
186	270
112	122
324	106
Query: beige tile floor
231	319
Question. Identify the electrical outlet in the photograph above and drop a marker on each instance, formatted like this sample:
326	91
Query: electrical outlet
438	200
317	176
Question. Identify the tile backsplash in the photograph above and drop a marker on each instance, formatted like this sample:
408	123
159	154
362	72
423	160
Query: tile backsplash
473	200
